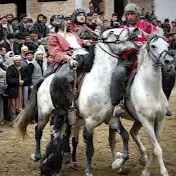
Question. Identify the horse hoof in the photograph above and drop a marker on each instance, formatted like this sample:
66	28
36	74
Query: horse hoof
35	158
75	166
118	155
145	173
143	161
89	174
32	157
117	164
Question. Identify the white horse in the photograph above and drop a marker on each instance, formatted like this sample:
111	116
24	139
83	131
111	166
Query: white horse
40	105
146	102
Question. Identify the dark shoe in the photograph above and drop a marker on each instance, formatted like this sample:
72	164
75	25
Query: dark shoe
72	116
1	131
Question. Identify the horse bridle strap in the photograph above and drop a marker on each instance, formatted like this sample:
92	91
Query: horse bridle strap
157	63
116	55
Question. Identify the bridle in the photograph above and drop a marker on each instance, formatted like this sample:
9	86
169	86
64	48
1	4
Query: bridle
152	56
116	41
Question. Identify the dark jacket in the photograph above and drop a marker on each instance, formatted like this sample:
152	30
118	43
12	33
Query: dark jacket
12	78
40	28
22	29
16	47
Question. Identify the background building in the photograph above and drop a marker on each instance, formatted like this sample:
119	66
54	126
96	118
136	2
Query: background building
50	7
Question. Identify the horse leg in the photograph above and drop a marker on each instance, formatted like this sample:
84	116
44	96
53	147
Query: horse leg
120	161
134	133
112	142
51	162
67	155
42	121
88	136
75	140
157	151
158	132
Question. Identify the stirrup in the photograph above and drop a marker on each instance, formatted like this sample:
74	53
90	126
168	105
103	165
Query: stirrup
72	116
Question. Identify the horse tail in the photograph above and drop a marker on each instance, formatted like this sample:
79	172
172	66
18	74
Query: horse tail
30	112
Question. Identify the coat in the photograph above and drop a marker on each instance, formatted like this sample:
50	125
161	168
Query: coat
12	78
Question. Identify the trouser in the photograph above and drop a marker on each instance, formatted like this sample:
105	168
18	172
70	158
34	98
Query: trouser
168	82
120	77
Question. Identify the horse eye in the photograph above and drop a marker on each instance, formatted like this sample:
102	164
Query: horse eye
153	46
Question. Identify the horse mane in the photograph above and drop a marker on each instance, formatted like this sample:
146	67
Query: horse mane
142	54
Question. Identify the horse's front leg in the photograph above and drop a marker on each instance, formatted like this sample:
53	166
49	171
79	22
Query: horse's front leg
88	137
134	133
122	158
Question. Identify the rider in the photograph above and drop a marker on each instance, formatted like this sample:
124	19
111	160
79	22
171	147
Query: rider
127	59
79	25
62	46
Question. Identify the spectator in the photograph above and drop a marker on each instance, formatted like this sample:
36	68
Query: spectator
22	25
114	21
29	24
16	79
166	26
24	62
147	16
39	26
10	44
11	28
15	21
52	24
36	67
106	25
173	27
3	28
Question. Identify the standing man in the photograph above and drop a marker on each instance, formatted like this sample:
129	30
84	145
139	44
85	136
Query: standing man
16	79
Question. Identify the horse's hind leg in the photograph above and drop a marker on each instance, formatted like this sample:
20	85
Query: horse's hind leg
119	162
157	151
42	121
134	133
88	136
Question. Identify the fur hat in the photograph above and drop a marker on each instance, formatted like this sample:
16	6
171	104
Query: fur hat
132	7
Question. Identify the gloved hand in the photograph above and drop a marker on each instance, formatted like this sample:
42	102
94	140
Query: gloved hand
72	63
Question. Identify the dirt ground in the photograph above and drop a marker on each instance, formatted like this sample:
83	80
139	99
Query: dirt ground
14	152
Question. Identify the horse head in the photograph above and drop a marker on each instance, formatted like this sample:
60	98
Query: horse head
158	50
121	39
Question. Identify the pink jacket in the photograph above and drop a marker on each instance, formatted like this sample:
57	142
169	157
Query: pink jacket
58	46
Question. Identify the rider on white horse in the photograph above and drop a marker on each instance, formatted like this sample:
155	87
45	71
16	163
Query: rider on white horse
128	58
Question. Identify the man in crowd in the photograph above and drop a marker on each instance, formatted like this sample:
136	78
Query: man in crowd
16	79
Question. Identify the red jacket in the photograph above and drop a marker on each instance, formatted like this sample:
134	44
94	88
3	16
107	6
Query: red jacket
147	28
58	46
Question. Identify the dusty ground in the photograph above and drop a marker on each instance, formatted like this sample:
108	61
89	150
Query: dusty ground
14	152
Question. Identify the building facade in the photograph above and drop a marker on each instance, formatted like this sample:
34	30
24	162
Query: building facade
34	7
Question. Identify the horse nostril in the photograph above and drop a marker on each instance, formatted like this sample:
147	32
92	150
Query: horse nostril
166	62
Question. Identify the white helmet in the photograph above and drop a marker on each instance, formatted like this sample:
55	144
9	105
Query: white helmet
132	7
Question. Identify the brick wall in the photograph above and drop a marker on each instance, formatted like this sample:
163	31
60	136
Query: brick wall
7	8
51	8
